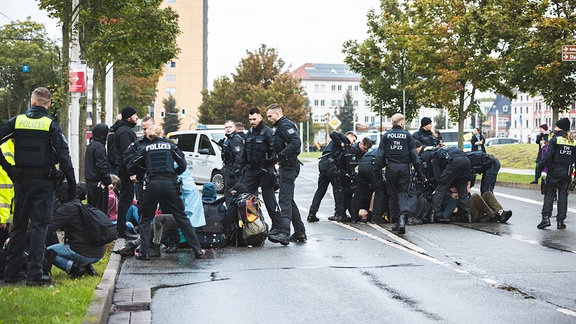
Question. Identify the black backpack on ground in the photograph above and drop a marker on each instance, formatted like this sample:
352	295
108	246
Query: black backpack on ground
212	235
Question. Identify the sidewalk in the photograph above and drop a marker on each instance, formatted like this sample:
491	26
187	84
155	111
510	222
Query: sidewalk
517	171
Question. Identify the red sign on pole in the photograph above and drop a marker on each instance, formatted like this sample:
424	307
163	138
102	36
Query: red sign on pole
569	53
77	81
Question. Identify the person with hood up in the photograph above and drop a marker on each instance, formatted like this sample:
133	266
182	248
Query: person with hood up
96	172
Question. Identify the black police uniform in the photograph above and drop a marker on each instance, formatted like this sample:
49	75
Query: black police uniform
259	170
96	171
366	186
287	145
156	159
331	167
451	169
396	153
488	166
39	144
123	137
232	150
426	137
349	180
559	158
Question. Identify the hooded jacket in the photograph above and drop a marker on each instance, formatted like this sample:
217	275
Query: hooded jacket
123	137
96	162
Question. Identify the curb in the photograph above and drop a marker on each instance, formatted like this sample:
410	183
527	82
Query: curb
518	185
99	307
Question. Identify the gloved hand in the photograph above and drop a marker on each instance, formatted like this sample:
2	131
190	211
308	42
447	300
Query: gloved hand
544	175
421	177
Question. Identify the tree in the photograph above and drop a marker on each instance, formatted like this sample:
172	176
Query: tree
383	61
27	60
260	80
172	117
346	114
535	44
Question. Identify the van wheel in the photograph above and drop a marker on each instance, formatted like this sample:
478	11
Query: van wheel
218	179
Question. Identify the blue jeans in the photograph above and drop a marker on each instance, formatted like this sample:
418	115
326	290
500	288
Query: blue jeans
65	257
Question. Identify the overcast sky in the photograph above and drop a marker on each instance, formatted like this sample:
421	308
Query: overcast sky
302	31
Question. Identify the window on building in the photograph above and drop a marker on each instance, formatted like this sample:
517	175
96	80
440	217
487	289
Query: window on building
170	77
515	110
356	88
339	103
322	103
316	102
515	124
170	1
162	113
316	87
183	111
520	109
350	87
366	119
333	87
171	65
333	104
322	88
339	87
372	119
171	91
355	103
505	108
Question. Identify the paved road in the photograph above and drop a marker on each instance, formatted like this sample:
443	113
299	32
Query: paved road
456	273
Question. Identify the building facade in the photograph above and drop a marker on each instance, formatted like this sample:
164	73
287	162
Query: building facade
186	76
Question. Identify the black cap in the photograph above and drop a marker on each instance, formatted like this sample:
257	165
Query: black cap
127	112
564	124
425	121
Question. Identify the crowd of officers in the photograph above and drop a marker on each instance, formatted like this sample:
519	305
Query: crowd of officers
408	179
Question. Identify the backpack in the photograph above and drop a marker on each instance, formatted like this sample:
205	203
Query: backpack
212	235
251	228
97	226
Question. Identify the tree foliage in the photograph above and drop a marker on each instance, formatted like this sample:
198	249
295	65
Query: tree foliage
346	113
260	80
24	44
172	118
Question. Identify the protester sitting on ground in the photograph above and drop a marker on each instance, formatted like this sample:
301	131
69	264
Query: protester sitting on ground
483	208
76	255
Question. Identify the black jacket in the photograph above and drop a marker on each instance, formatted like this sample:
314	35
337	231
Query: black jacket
67	218
286	142
123	137
96	163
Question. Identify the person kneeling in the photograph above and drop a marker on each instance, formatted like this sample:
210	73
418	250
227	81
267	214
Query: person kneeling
76	255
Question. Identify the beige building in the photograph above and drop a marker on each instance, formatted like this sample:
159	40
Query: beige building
186	76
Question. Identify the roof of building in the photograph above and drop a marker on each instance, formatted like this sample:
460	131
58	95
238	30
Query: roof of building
325	72
499	104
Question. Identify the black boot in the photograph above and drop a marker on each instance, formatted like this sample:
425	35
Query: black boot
172	248
77	271
402	225
561	225
544	223
154	250
312	218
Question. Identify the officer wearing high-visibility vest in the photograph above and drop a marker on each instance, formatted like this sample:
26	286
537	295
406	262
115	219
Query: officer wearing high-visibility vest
38	146
6	189
559	158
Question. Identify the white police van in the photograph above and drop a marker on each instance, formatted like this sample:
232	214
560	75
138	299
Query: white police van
203	154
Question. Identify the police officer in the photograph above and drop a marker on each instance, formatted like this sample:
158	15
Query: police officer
365	186
559	158
488	166
38	145
259	166
451	169
355	153
397	153
156	161
331	167
287	145
424	133
232	150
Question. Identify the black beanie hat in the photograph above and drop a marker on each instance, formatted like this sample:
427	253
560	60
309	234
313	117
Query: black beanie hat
425	121
127	112
564	124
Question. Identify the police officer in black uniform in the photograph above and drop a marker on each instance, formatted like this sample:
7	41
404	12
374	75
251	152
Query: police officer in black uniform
397	153
487	165
259	166
451	169
331	167
156	161
287	145
232	150
39	145
559	158
424	133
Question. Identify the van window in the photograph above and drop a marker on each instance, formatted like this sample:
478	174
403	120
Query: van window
186	142
205	143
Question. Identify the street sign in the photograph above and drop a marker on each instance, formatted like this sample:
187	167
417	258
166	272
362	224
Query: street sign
77	81
569	53
335	122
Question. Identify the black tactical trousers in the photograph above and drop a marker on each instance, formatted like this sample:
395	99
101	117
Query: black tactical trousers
289	212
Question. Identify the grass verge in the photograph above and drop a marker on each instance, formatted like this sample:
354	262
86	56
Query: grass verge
66	302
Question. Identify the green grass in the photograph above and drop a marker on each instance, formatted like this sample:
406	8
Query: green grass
515	156
510	177
66	302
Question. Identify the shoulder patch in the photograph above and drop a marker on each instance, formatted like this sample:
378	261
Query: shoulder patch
291	131
237	148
